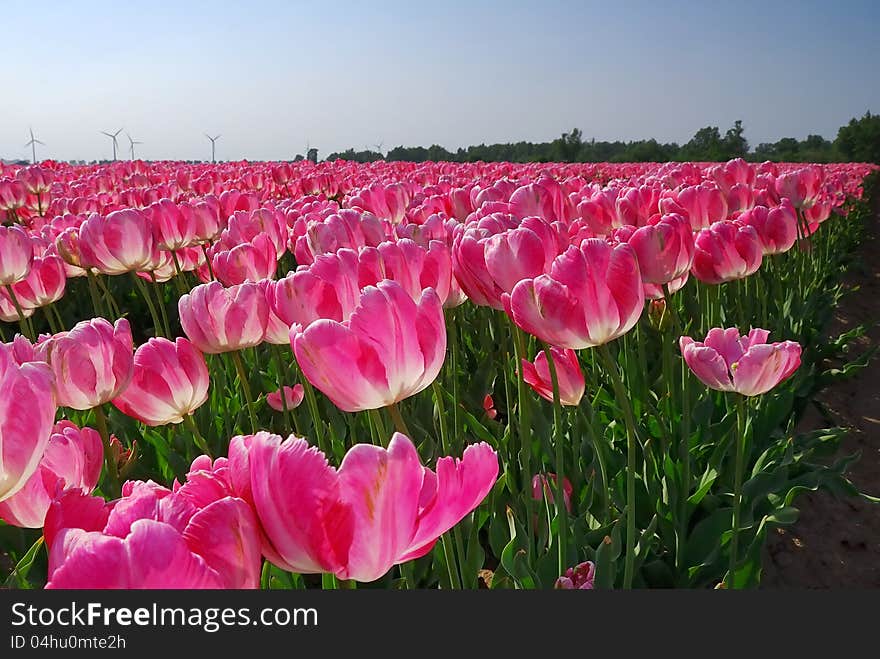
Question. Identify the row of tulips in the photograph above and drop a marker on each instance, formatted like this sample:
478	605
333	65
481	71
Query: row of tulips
547	307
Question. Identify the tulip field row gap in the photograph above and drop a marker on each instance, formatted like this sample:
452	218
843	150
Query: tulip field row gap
400	375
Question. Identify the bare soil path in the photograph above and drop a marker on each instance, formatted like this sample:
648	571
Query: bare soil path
836	542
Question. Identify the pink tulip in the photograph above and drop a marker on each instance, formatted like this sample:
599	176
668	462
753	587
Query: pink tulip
13	195
748	365
37	180
67	246
172	228
489	406
207	217
776	227
801	186
665	249
328	288
522	253
199	536
413	267
16	255
568	374
118	243
293	396
250	261
726	251
544	488
277	331
592	295
72	459
391	348
218	319
27	411
379	509
170	382
579	577
93	363
44	284
700	204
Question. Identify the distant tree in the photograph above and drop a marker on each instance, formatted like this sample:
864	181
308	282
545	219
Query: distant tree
312	155
706	144
859	140
567	147
734	144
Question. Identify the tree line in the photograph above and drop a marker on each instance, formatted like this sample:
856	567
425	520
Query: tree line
857	141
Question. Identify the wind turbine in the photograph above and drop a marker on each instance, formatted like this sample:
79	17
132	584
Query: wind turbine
131	143
33	145
379	146
113	136
213	144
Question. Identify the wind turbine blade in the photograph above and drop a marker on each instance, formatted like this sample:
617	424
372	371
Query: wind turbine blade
103	132
39	142
117	132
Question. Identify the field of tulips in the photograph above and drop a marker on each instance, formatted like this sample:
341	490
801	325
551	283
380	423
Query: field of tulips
401	375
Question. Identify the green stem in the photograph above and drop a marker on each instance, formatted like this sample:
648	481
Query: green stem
444	442
178	278
51	320
740	440
245	387
376	417
160	299
631	440
397	418
111	304
561	512
190	423
22	321
312	402
142	288
113	490
208	261
525	432
282	376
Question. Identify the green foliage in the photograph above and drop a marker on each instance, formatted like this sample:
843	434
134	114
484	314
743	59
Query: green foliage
859	140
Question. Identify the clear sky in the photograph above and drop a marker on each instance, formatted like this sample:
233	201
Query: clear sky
274	76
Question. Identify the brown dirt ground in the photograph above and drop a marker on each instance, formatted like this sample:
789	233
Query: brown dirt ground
836	541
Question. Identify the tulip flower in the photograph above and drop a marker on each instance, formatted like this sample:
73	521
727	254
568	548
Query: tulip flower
391	348
489	406
328	288
172	228
250	261
701	205
379	509
726	251
568	375
218	319
544	487
118	243
592	295
776	227
293	396
27	412
195	537
665	249
748	365
170	382
44	284
72	459
16	255
413	267
93	363
579	577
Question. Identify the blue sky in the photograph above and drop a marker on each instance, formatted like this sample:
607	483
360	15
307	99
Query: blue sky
272	76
